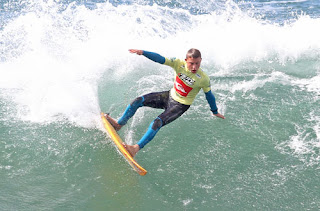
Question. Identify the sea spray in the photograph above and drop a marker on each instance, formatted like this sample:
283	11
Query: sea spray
62	62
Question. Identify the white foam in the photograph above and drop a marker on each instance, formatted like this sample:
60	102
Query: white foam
53	58
284	2
258	81
306	143
311	84
186	202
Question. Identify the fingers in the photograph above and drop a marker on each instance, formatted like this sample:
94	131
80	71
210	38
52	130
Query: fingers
136	51
132	50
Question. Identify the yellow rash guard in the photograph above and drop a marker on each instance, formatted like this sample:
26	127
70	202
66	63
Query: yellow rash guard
187	84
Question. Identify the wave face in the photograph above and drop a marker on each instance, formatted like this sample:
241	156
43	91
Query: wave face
62	62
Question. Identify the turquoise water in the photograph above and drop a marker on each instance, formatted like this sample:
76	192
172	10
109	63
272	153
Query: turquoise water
62	62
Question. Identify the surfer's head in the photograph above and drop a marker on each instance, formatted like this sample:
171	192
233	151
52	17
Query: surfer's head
193	59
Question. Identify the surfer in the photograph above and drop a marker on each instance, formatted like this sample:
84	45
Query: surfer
189	79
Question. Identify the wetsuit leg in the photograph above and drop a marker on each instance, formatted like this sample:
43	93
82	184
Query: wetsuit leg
131	110
173	110
154	100
152	131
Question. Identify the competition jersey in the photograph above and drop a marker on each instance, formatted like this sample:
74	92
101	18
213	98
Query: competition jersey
187	84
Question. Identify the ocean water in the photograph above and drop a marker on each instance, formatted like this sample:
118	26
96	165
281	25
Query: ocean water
64	61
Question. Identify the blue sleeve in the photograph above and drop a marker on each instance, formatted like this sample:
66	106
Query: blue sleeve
212	102
154	57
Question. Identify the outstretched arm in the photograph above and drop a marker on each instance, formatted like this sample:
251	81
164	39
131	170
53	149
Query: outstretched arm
212	102
150	55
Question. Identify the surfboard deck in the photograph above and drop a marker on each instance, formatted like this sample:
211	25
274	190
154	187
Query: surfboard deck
118	142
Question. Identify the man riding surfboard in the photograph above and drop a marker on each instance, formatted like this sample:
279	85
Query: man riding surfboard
190	78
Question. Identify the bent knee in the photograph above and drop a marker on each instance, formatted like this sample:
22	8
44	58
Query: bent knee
138	102
157	124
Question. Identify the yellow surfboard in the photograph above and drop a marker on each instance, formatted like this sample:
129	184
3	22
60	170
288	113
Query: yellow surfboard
117	140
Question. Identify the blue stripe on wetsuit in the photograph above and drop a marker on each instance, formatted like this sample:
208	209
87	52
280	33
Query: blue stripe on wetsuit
212	102
130	111
154	57
149	135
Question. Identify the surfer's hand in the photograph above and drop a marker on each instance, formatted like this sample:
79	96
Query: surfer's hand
219	115
139	52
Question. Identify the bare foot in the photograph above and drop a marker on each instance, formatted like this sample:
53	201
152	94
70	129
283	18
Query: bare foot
113	122
132	149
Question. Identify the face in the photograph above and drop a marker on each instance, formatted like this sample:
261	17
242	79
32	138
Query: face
193	64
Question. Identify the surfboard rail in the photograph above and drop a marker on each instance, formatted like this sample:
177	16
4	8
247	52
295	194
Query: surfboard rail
118	142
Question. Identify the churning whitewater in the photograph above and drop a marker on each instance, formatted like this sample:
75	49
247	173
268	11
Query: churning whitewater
63	62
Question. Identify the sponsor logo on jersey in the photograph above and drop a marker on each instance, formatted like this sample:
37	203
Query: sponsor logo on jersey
186	79
181	87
